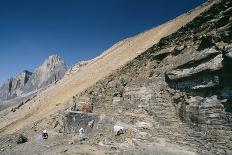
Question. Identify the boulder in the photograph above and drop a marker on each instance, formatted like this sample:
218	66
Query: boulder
21	139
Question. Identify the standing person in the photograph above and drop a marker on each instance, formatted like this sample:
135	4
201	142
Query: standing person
74	105
91	105
82	134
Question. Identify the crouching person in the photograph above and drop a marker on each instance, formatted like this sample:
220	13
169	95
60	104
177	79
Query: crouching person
45	134
118	130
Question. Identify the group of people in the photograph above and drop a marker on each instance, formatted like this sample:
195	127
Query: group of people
81	134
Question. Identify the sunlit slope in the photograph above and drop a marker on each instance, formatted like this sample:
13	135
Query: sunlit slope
57	96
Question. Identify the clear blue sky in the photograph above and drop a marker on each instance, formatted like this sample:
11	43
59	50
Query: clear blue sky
31	30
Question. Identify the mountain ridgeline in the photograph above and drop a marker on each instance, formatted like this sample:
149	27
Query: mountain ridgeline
52	70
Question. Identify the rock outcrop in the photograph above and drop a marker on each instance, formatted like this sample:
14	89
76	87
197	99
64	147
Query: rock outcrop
178	91
52	70
75	68
14	86
184	83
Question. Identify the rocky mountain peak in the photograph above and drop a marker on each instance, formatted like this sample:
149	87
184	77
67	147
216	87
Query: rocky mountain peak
24	74
52	69
51	62
54	59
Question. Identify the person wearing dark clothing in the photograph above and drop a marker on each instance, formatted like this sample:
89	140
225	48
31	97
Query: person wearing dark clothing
74	105
45	134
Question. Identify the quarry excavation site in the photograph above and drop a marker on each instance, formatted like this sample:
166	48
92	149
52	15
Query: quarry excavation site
165	91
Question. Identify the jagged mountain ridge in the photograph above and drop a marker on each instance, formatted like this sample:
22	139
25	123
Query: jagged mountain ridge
51	70
14	86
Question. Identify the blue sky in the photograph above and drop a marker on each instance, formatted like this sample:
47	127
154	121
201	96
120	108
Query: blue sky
31	30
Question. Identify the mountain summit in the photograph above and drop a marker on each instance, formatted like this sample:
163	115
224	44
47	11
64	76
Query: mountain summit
51	70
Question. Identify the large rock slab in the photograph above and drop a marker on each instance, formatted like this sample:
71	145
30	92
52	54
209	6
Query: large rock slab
210	66
73	121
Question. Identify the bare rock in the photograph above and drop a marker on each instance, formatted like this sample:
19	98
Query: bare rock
52	70
14	86
21	139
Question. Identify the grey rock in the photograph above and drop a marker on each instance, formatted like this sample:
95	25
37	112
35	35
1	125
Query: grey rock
211	65
229	53
21	139
189	95
14	86
52	70
91	124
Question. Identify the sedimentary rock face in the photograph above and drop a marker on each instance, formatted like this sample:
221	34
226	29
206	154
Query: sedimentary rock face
187	74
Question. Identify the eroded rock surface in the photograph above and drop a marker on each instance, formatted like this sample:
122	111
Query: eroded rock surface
183	85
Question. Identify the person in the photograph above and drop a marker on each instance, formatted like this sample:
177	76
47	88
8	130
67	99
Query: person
45	134
74	105
82	134
118	130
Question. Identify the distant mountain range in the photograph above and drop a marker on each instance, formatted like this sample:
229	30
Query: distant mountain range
50	71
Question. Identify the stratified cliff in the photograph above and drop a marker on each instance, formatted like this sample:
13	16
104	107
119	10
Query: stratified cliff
184	82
